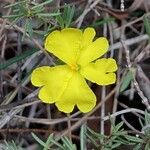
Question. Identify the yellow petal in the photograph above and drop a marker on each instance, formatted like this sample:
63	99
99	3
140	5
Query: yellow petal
95	50
65	107
77	93
101	72
86	106
45	95
40	76
88	36
65	44
53	79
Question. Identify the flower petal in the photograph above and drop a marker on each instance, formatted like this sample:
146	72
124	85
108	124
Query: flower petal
86	106
65	107
88	36
77	93
53	79
101	72
40	76
65	44
45	95
95	50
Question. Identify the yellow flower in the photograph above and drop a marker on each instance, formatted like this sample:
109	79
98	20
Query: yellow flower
65	85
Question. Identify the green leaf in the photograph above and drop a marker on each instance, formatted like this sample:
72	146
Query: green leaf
92	140
68	15
11	145
49	139
115	145
60	21
17	58
133	139
82	137
42	4
147	25
147	118
48	14
117	127
28	27
68	143
23	9
147	147
126	81
37	10
137	147
96	135
40	32
122	141
117	133
57	144
14	4
103	21
38	140
13	16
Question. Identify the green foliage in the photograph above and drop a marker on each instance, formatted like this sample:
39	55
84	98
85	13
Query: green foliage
103	21
83	137
28	27
146	127
17	58
27	11
146	131
127	80
51	141
9	146
65	18
67	144
147	118
147	25
117	137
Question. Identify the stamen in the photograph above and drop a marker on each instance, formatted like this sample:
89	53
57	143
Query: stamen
74	67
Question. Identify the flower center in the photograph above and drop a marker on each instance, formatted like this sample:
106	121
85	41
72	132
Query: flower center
74	67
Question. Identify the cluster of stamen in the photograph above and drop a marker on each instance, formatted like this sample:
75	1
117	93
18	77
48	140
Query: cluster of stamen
74	67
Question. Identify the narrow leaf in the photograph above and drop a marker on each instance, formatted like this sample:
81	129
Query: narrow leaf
133	139
37	10
38	140
42	4
49	139
82	137
137	147
126	81
147	26
17	58
14	4
60	20
147	147
103	21
118	126
28	27
147	118
48	14
70	14
13	16
115	145
68	143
